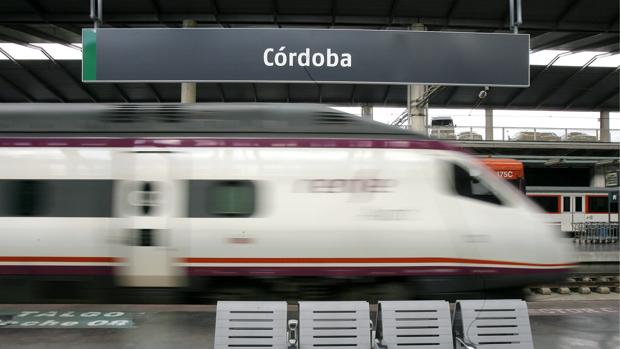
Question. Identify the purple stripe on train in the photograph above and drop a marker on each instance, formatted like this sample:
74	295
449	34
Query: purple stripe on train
226	142
56	270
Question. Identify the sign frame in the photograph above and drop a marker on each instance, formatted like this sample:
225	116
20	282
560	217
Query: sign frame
96	58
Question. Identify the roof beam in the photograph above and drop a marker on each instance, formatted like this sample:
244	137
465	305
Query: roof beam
154	92
221	91
592	86
333	13
604	41
121	93
451	95
450	12
353	91
288	93
565	12
325	19
156	9
64	70
37	9
562	41
606	98
275	6
386	94
38	34
28	97
613	23
216	14
255	92
38	79
557	87
391	15
535	78
69	27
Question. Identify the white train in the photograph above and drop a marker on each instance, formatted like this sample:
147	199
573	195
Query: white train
154	196
569	206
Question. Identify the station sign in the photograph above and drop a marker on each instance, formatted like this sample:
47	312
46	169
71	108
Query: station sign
304	56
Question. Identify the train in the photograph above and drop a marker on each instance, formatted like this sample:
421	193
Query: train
569	206
189	198
565	207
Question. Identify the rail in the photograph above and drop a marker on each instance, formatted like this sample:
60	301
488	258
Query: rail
523	134
595	232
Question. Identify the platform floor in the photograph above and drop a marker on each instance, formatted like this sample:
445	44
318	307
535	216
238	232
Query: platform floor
596	253
560	322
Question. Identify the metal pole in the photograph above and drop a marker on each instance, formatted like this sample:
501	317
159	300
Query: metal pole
516	17
100	11
511	9
96	12
188	89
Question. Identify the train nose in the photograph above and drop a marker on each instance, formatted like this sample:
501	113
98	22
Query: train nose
556	250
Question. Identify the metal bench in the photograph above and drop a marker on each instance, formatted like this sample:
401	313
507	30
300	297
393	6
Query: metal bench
492	324
414	324
250	325
334	325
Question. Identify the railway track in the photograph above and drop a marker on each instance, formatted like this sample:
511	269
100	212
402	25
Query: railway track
582	283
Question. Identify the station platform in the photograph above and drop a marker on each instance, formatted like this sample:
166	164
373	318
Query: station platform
597	253
557	322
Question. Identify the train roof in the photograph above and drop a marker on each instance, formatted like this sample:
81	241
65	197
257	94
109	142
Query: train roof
231	119
536	189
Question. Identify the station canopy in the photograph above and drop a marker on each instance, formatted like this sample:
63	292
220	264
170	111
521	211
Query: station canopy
573	26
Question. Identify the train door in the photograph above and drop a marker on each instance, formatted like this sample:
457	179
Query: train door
577	210
147	199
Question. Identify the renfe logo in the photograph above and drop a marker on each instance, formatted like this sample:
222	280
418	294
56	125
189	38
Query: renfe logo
365	185
280	58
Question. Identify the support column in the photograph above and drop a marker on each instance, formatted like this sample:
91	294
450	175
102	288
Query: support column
488	124
367	111
417	107
604	127
188	89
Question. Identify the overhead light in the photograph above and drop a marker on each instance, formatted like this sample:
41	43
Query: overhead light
553	162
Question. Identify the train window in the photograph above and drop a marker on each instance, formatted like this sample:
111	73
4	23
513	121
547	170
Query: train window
472	187
598	204
578	204
22	198
224	198
56	198
566	204
549	203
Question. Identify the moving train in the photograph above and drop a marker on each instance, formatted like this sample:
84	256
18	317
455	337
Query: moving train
192	197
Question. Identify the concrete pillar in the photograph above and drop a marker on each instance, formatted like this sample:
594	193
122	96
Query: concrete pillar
416	107
367	111
488	124
604	127
188	89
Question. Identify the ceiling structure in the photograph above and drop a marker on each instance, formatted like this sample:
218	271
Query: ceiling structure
569	25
